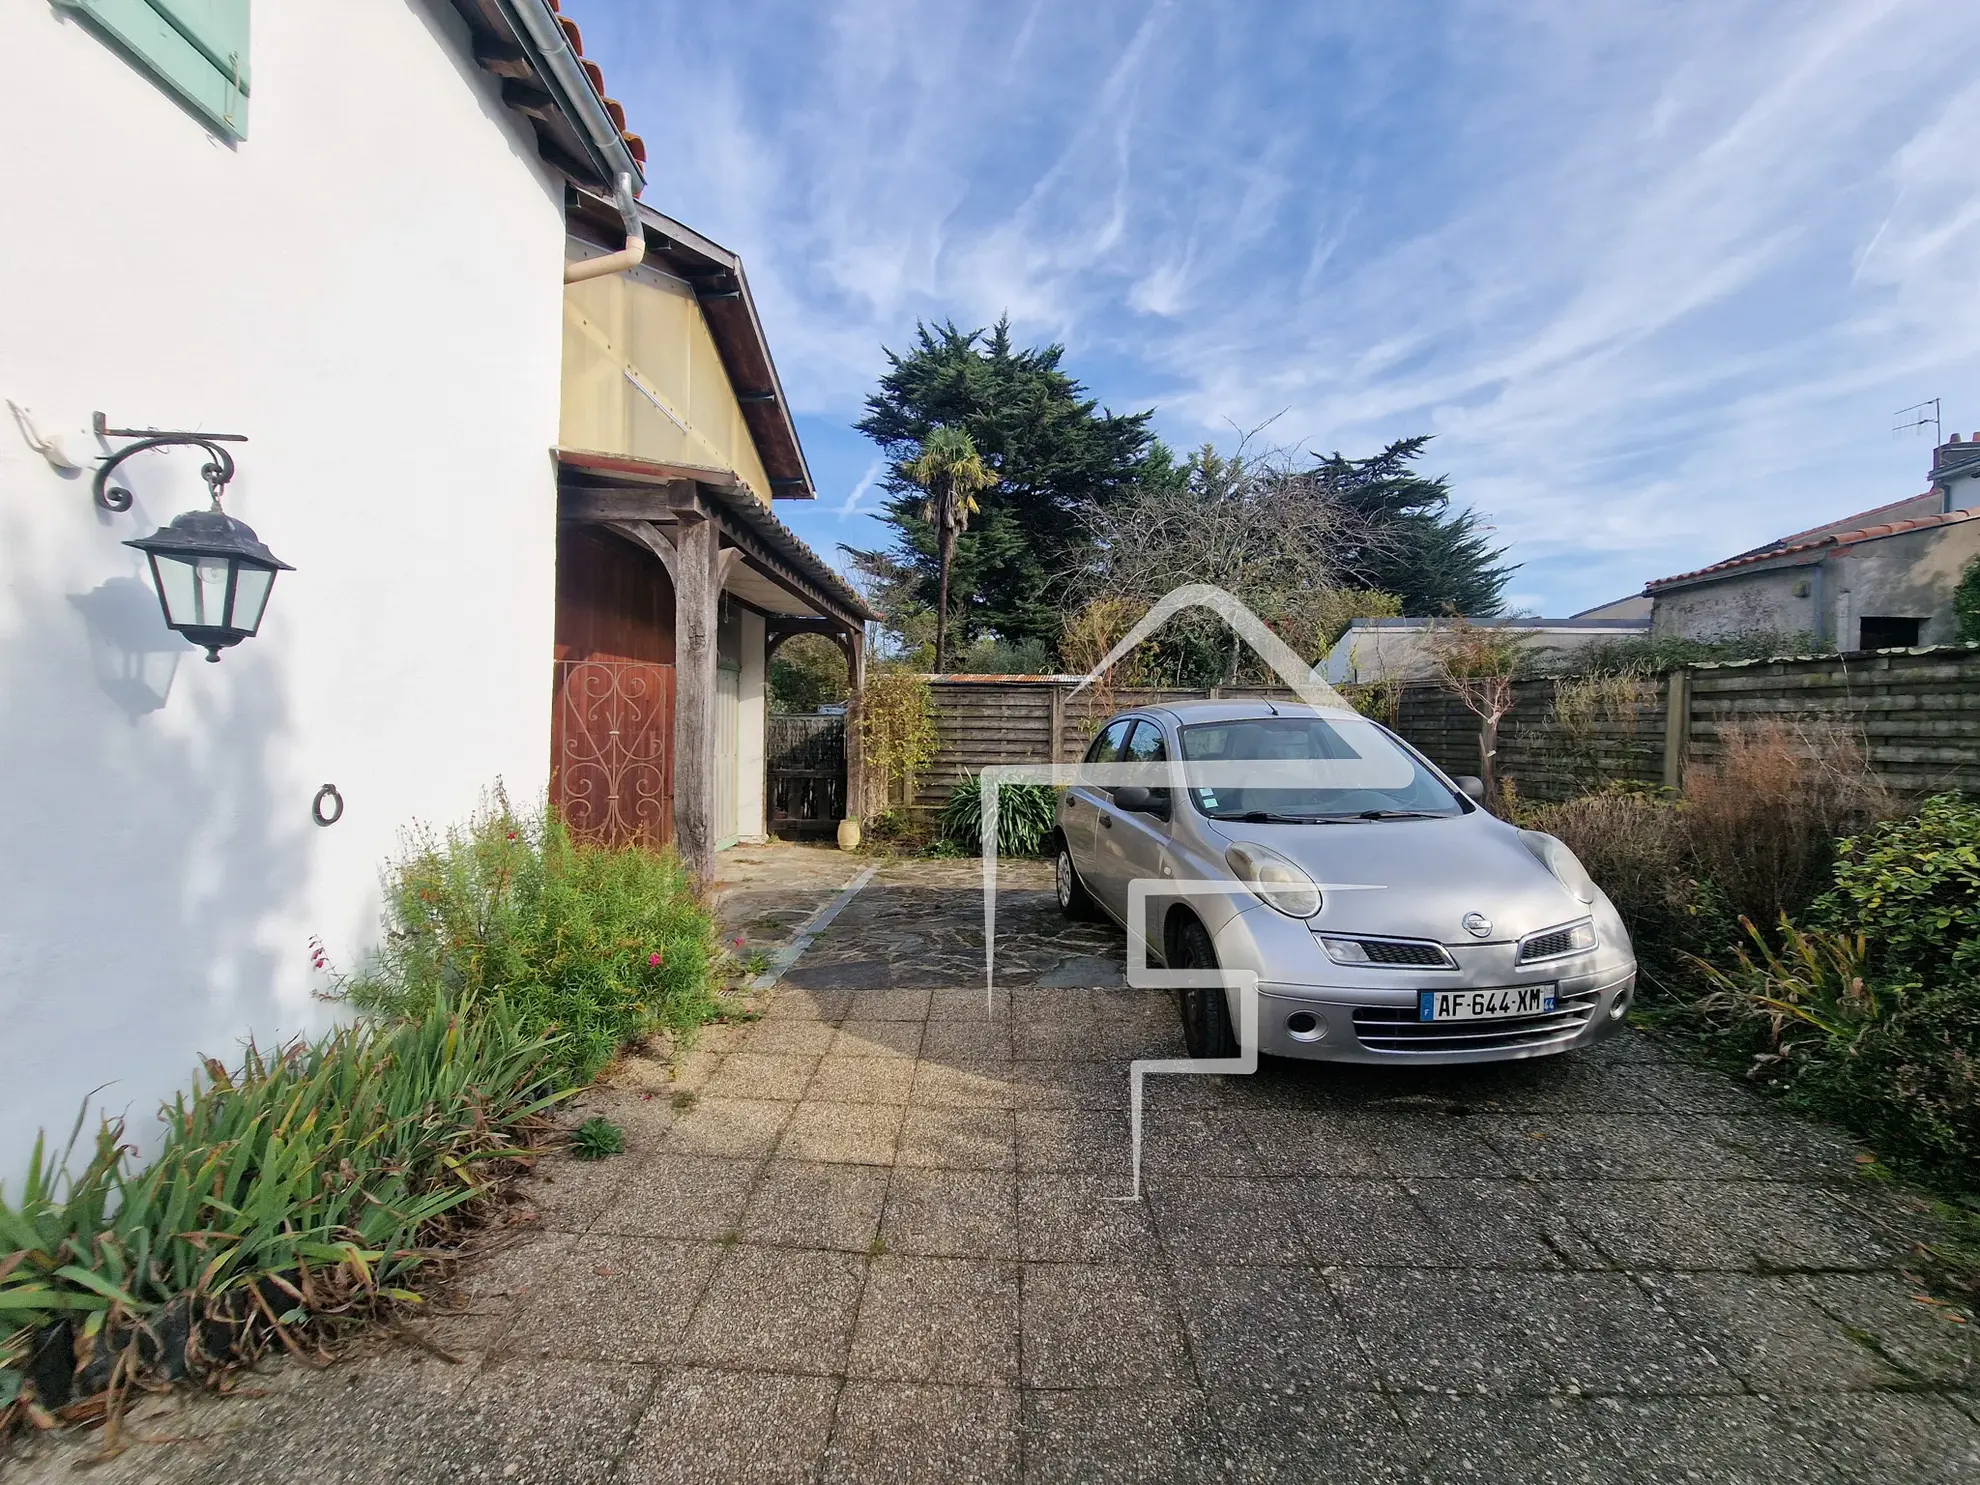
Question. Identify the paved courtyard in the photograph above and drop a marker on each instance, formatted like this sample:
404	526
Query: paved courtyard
879	1234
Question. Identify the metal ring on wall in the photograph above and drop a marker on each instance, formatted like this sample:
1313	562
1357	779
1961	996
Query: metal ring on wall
327	792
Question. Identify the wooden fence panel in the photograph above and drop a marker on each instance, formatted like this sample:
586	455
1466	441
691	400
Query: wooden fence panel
1919	712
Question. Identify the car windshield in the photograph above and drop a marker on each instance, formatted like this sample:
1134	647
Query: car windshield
1357	771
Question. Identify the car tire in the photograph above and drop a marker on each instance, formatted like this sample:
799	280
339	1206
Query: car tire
1074	900
1206	1015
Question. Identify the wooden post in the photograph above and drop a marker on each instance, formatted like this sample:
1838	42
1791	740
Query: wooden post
1058	723
855	749
1677	726
697	588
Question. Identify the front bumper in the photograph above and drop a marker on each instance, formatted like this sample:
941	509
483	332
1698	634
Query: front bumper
1379	1024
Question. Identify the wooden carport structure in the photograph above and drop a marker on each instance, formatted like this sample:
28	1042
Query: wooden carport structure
683	542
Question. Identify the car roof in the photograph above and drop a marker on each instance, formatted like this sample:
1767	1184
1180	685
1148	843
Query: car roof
1187	713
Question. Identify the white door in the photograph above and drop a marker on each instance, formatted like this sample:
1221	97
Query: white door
728	753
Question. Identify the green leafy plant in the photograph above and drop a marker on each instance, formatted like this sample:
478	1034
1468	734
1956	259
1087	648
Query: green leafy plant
1912	885
896	724
306	1185
1026	814
1814	979
599	945
1966	602
597	1138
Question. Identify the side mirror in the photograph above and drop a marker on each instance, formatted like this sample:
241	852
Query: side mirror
1471	787
1142	801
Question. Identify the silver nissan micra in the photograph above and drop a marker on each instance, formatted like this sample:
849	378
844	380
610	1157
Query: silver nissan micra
1386	915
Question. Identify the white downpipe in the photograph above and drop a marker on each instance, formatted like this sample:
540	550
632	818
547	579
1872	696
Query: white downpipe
630	256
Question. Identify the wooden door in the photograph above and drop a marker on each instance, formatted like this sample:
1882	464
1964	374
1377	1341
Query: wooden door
612	749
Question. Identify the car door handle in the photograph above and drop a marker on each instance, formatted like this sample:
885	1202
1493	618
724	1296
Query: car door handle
1071	800
1106	822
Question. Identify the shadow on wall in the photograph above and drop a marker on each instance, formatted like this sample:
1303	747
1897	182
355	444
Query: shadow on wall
135	657
146	852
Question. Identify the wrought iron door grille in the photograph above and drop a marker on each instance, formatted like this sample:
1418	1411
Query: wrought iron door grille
612	751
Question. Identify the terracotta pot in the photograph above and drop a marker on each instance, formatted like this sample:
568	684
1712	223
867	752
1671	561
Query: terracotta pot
849	835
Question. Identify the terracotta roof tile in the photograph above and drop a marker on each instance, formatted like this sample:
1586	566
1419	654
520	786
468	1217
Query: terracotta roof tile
596	74
1836	539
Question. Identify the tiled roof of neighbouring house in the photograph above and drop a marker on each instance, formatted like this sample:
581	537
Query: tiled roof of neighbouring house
1820	543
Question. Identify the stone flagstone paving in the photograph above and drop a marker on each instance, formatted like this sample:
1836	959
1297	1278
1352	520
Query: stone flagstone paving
877	1235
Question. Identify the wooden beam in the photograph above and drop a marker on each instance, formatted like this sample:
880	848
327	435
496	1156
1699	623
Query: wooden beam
646	503
503	58
697	589
530	101
855	750
650	536
1677	726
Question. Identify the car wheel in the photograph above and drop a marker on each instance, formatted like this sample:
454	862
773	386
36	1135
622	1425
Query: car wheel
1206	1015
1073	899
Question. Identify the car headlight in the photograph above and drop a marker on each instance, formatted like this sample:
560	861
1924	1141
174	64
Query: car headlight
1275	881
1557	858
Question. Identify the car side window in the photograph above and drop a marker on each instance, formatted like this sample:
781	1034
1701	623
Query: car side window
1146	746
1107	746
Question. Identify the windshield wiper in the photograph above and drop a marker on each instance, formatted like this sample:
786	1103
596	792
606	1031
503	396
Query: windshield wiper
1399	815
1266	817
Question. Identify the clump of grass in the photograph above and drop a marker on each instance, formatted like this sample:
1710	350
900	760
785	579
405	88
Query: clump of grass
600	946
597	1138
1026	814
303	1187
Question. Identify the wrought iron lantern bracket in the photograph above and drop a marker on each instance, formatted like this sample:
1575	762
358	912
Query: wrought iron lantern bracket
216	472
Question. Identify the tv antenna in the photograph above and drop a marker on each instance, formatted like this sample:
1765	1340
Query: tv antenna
1923	417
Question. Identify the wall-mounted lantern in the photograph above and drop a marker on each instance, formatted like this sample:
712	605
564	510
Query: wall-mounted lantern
212	572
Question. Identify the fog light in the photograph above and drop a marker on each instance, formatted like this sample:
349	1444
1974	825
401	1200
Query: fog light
1304	1026
1619	1007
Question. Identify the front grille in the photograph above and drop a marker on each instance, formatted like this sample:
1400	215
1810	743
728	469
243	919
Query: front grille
1547	945
1387	951
1396	1029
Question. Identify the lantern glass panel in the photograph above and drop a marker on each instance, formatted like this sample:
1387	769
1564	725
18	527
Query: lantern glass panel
251	596
212	594
178	585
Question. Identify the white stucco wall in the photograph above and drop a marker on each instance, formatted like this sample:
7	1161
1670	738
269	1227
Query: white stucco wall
1390	651
368	287
750	731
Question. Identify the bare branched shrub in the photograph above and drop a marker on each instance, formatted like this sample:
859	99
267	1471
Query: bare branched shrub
1254	524
1478	663
1763	818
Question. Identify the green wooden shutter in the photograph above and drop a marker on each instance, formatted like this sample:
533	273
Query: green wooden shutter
197	48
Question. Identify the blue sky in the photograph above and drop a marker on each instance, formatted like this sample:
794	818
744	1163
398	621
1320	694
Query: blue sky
1656	277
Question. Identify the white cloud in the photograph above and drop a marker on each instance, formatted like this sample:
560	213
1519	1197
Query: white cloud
851	505
1656	281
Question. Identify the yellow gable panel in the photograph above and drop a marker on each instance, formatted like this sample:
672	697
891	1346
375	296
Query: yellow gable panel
642	378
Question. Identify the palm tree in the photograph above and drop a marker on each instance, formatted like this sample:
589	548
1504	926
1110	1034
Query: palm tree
953	473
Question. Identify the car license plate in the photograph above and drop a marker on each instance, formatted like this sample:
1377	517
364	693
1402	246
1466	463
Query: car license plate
1484	1005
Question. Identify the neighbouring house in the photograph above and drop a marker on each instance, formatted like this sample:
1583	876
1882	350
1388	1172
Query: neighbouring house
1399	649
505	502
1876	580
1635	606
